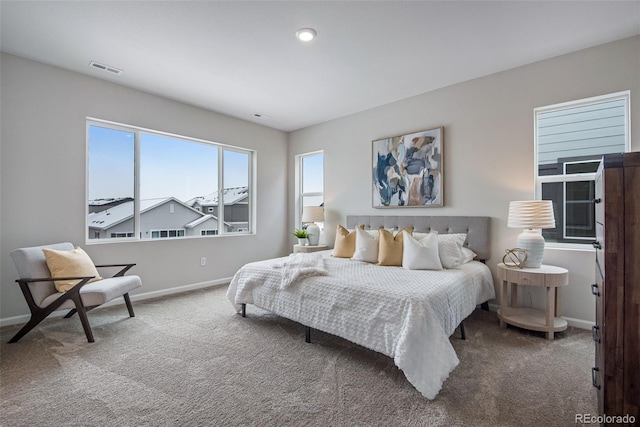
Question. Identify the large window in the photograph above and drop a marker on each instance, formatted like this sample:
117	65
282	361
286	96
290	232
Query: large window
310	182
144	184
570	141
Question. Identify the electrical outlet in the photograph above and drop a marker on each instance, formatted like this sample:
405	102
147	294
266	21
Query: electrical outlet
203	261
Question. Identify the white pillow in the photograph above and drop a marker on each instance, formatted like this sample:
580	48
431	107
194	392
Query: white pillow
451	254
469	255
450	249
442	237
376	232
456	237
372	233
420	254
366	247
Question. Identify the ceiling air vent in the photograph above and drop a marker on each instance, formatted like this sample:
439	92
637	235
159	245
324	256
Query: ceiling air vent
103	67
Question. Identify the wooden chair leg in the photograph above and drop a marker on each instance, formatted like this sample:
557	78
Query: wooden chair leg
38	314
32	323
127	301
85	324
73	311
82	313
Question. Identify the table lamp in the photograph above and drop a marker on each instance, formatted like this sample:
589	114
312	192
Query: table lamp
311	214
531	215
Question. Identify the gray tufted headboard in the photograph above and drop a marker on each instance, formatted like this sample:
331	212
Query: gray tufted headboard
476	227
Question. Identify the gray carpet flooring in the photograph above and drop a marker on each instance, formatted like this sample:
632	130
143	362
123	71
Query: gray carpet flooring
189	360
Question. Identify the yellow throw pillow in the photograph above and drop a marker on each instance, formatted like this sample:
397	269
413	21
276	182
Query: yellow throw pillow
73	263
345	243
390	249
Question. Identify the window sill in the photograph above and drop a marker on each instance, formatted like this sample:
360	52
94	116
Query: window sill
164	239
579	247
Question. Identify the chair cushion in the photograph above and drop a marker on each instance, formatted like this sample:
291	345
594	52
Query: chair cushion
99	292
73	263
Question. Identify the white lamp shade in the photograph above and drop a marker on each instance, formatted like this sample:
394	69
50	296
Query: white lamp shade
313	214
531	214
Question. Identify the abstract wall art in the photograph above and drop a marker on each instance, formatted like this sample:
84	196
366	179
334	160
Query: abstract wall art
407	170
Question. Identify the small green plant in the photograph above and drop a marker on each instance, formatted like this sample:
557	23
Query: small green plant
301	234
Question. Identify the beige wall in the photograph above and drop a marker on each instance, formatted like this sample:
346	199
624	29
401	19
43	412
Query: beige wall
43	177
488	149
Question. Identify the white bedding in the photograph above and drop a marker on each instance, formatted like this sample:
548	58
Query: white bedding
405	314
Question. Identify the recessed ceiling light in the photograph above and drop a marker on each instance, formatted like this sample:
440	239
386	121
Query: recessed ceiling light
306	34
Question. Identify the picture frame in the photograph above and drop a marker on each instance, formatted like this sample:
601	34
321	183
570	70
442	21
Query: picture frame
408	170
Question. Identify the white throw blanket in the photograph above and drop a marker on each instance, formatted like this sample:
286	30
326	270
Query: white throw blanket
300	266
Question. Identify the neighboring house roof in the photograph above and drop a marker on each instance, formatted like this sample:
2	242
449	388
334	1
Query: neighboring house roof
123	212
205	218
199	221
108	201
109	217
231	196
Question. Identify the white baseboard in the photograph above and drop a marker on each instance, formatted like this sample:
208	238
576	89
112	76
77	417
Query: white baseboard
493	307
119	301
176	290
577	323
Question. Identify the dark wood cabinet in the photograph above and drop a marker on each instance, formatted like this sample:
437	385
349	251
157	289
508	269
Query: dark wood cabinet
616	333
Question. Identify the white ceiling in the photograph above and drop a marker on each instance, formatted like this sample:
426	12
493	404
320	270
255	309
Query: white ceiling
241	58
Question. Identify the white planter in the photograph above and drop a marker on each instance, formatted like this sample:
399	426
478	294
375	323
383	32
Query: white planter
302	242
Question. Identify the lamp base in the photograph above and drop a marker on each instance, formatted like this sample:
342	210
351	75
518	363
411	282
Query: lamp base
314	234
532	242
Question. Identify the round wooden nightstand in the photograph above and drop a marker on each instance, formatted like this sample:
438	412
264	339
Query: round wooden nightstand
547	276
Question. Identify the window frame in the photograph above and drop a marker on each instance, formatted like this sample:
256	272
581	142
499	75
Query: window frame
300	195
539	180
137	130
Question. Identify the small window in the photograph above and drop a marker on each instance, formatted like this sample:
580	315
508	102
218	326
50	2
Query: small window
571	139
165	234
311	182
120	235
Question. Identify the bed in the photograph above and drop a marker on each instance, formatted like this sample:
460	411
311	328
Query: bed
407	315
